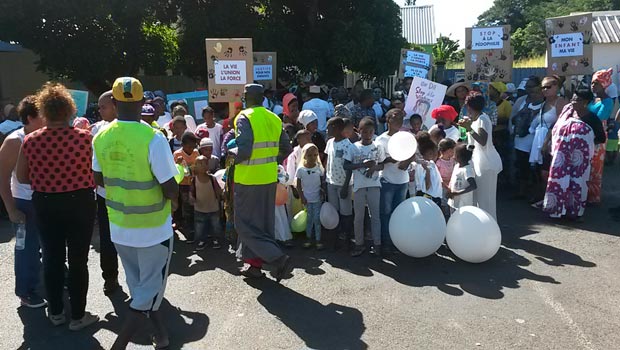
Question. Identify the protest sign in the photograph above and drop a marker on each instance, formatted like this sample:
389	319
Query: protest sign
196	101
424	96
414	64
81	101
488	54
569	45
229	68
265	67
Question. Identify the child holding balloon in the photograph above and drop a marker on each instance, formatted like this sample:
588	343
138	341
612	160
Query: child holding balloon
309	185
427	176
463	181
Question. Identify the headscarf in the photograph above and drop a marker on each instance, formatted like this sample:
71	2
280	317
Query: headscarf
306	117
444	111
342	111
286	100
499	86
490	107
603	77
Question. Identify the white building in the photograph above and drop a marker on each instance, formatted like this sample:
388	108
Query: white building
418	23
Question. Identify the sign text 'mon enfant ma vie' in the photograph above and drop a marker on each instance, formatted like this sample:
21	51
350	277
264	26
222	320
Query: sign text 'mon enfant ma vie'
566	45
487	38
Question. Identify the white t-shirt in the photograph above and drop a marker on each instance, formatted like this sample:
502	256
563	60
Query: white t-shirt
451	132
321	109
310	182
359	153
163	120
215	134
525	143
292	161
97	127
190	122
484	158
459	182
18	189
336	175
420	180
391	173
163	168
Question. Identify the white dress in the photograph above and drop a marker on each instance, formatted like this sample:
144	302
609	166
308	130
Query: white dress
487	164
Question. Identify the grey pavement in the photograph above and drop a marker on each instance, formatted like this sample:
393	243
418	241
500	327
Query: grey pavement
551	286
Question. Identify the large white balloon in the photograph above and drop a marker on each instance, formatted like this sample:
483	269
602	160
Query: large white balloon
329	216
402	146
219	177
473	235
417	227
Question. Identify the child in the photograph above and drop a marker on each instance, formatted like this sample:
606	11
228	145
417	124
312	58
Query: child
427	176
337	146
215	130
302	137
187	157
310	121
206	149
179	126
463	181
416	124
421	137
444	116
363	160
283	225
437	134
205	196
309	183
612	141
445	163
349	131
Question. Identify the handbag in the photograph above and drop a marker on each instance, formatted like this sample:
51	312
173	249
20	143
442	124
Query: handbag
522	121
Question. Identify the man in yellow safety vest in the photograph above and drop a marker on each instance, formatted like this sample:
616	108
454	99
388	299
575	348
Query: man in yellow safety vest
134	164
262	144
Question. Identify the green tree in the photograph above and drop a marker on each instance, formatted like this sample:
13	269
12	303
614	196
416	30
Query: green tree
93	41
446	50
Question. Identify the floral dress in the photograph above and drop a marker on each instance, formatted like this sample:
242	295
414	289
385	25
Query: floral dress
573	149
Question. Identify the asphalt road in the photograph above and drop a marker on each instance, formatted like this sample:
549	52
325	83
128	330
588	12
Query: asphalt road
551	286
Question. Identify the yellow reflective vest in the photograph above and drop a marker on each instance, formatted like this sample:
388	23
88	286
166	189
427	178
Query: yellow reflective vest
262	167
134	197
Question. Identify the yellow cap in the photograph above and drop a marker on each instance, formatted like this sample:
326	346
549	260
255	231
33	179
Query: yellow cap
127	89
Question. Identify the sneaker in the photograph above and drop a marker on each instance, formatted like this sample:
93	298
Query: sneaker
320	246
307	244
57	320
201	245
359	249
216	244
251	272
33	301
110	286
84	322
376	250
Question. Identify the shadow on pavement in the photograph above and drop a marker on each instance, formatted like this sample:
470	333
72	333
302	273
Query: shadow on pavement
187	261
320	326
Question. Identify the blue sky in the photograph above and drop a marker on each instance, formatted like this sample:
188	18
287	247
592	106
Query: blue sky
453	16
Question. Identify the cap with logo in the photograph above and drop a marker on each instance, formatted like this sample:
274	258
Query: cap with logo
127	89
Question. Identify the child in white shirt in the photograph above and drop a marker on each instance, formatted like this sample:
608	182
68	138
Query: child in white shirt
309	184
463	181
427	176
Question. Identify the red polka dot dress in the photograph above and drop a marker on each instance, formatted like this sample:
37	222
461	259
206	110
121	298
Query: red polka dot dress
59	159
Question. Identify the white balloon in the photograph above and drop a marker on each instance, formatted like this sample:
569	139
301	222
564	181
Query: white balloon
473	235
402	146
218	176
417	227
329	216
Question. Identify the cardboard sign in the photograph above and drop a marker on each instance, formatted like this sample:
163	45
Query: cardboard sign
229	67
196	101
414	64
81	101
488	54
569	45
424	96
487	38
265	67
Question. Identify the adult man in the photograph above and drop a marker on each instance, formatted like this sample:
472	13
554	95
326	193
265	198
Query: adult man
258	134
108	259
134	162
18	201
319	106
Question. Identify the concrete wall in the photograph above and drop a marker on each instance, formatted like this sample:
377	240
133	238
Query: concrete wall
607	56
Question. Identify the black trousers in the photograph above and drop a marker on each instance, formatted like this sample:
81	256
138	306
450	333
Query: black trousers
108	258
524	172
66	225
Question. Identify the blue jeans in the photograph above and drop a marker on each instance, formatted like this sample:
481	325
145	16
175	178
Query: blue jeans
28	260
391	196
206	224
314	220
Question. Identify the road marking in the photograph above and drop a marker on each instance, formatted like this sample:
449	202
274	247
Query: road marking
581	337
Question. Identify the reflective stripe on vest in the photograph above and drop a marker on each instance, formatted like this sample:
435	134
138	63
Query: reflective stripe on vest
134	198
262	167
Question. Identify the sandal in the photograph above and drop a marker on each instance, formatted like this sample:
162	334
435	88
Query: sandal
84	322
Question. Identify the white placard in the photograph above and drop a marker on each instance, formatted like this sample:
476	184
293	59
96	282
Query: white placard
424	96
419	58
567	45
487	38
230	72
413	71
263	72
198	106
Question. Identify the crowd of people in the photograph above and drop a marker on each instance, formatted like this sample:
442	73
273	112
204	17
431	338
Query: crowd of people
240	178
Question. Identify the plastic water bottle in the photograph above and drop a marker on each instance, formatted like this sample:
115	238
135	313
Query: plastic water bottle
20	237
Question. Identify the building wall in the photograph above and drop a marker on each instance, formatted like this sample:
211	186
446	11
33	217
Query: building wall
606	56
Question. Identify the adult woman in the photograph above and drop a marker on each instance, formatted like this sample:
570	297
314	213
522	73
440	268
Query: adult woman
501	135
541	124
56	161
458	92
572	150
524	111
486	161
602	108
